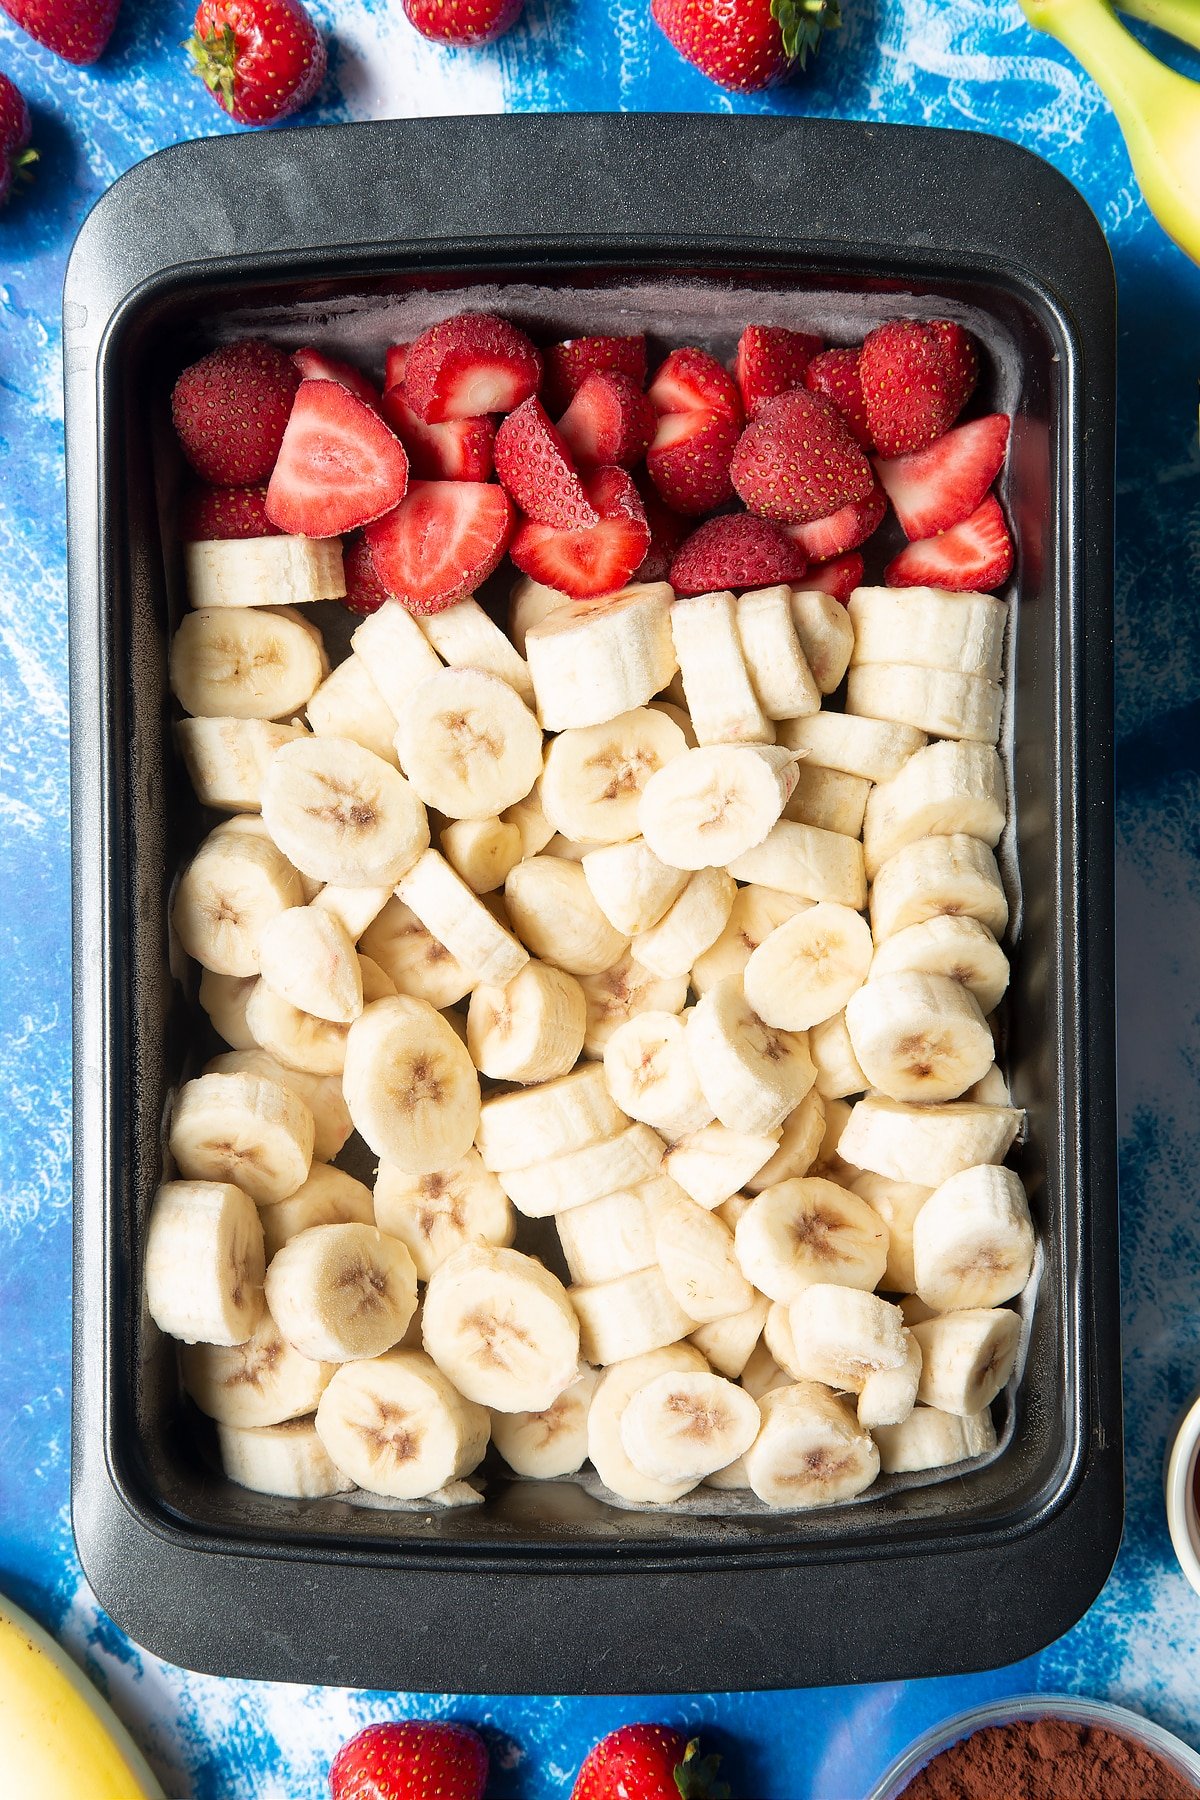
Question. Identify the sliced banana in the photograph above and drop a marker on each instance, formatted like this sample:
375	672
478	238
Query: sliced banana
762	1372
809	1230
650	1074
778	667
869	748
300	1040
622	992
619	1162
308	958
339	1293
225	999
595	774
752	1075
929	1439
530	1030
887	1396
532	823
553	1442
595	659
243	1129
755	914
628	1316
328	1197
448	909
841	1335
263	571
353	908
234	885
712	805
682	1427
322	1095
204	1262
955	875
947	944
349	705
897	1203
394	650
829	1164
932	700
614	1391
468	744
716	681
973	1240
481	851
436	1214
613	1235
690	926
241	662
416	962
919	1037
263	1381
501	1327
341	814
552	910
992	1090
555	1118
728	1343
712	1163
529	602
828	799
826	635
467	638
838	1071
967	1357
798	1148
945	790
410	1084
227	758
938	630
629	884
809	967
695	1252
287	1459
810	1449
926	1144
812	864
397	1427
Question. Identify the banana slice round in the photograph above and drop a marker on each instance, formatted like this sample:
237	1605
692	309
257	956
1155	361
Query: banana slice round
828	799
973	1240
887	1396
554	1442
613	1235
528	603
774	655
481	851
897	1203
798	1148
437	1214
806	862
628	1316
396	653
623	992
322	1094
711	1164
709	806
919	1037
410	1085
967	1357
300	1040
838	1071
502	1328
204	1262
595	659
629	884
650	1074
261	1382
227	758
415	960
695	1251
945	789
242	662
466	637
959	632
225	999
755	914
632	1156
532	1029
468	744
929	1439
532	823
872	749
263	571
553	912
752	1075
947	945
556	1117
926	1144
349	705
339	1293
809	968
328	1197
308	958
810	1450
938	701
341	814
729	1343
689	927
614	1391
242	1129
595	774
826	636
938	875
716	681
810	1230
396	1426
682	1427
234	886
287	1459
840	1335
460	920
762	1373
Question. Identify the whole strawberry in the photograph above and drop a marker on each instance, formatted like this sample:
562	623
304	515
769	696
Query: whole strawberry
231	409
410	1760
259	59
648	1762
76	30
746	44
15	131
465	22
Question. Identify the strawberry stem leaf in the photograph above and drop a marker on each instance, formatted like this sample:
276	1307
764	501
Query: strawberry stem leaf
22	163
803	23
696	1775
215	58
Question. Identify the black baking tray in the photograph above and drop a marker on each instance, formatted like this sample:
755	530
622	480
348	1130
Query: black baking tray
545	1588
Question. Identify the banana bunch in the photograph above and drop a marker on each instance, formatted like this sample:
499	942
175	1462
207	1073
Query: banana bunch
611	920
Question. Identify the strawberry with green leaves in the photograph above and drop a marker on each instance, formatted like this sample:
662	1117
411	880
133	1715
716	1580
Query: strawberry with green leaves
648	1762
746	45
259	59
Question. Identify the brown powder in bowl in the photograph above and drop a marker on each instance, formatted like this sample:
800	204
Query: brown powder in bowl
1048	1759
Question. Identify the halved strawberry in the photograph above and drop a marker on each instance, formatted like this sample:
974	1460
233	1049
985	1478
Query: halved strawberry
962	360
843	530
473	363
338	466
314	365
459	450
691	380
394	363
835	374
972	557
667	531
224	512
839	577
535	466
769	361
688	461
909	386
738	550
610	421
597	560
365	593
231	408
798	460
934	489
569	364
443	539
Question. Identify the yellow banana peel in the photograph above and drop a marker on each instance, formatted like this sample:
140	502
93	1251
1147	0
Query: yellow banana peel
1179	17
1157	109
58	1740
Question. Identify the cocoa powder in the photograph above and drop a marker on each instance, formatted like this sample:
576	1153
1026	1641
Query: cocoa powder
1048	1759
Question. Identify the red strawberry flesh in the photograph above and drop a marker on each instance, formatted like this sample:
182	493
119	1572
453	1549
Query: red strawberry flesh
691	380
958	346
909	387
459	450
441	542
365	593
412	1759
933	489
535	466
473	363
76	30
225	512
569	364
835	375
838	578
609	421
843	530
314	365
769	361
798	460
231	409
975	556
647	1762
688	461
463	22
394	362
738	551
595	560
259	59
339	466
667	531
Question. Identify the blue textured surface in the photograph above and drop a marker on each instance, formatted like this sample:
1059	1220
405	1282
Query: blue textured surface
947	62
